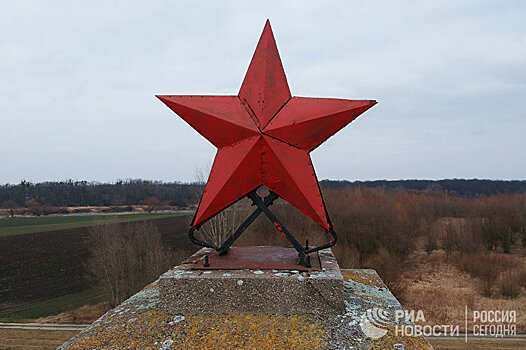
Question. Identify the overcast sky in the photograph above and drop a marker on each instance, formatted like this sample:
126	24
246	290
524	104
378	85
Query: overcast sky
78	79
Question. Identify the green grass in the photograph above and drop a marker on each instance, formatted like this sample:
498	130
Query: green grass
43	308
18	226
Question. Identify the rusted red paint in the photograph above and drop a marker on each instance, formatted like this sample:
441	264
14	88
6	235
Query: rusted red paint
264	136
257	258
265	90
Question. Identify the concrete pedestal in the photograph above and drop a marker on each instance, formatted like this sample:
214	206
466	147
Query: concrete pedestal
141	323
184	290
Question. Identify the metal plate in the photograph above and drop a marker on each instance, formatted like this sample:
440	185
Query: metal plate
257	258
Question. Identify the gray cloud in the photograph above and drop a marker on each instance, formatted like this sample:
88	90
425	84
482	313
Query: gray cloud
77	84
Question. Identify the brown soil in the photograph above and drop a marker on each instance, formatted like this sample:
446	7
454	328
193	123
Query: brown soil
41	266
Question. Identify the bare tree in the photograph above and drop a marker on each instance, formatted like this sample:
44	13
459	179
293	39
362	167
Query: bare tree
522	218
217	229
11	206
124	258
152	203
34	206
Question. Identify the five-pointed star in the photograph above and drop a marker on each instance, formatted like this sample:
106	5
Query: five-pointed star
264	136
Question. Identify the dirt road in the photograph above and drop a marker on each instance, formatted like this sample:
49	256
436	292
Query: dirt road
45	326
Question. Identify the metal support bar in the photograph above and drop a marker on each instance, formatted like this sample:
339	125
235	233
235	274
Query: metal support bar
226	245
303	253
198	241
325	246
263	207
266	202
297	245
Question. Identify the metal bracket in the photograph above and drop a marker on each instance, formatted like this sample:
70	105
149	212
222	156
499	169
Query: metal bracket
266	203
263	207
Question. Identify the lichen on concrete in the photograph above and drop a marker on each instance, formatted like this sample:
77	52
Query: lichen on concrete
153	328
140	323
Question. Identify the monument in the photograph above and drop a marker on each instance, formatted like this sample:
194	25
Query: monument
264	137
225	297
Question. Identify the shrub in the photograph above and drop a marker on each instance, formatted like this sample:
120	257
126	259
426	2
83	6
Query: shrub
368	219
504	272
484	266
388	267
123	259
509	284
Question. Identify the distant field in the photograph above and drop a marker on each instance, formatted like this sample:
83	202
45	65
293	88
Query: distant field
22	339
43	273
37	308
18	226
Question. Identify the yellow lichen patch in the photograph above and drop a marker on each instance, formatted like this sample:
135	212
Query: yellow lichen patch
136	331
149	329
370	297
249	331
363	277
389	340
154	284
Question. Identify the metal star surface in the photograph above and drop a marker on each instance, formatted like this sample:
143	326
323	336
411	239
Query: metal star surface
264	136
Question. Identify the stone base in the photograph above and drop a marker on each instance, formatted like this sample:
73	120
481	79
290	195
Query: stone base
183	290
141	323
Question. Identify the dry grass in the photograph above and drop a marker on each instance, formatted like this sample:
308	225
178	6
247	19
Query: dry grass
501	274
84	314
22	339
442	291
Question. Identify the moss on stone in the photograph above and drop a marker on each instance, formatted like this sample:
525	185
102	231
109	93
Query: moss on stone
152	328
363	277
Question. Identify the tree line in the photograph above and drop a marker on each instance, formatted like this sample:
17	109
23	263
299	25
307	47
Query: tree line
462	187
82	193
136	191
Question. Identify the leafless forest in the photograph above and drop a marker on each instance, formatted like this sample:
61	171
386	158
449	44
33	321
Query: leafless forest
483	237
436	249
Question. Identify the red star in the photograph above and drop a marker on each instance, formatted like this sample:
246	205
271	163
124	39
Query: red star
264	136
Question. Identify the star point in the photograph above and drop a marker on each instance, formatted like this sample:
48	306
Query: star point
265	88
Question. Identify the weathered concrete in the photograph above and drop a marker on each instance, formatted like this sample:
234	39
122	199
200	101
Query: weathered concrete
184	290
141	323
